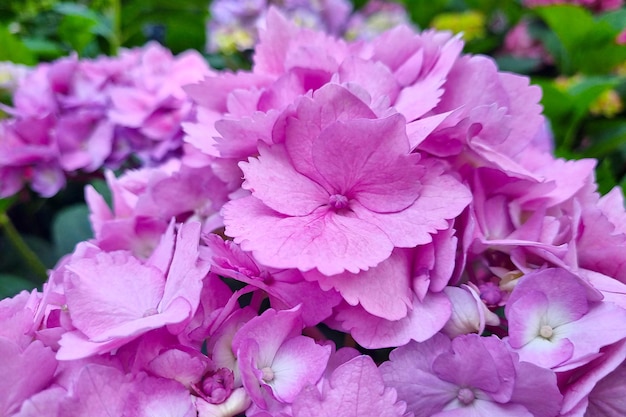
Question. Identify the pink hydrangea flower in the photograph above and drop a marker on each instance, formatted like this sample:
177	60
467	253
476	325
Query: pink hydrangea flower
275	361
553	324
312	208
114	297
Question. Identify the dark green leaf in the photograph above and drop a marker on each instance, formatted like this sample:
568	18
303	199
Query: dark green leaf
11	284
69	227
12	49
588	44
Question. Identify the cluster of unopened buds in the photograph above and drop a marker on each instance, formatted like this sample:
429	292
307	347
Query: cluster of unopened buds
354	228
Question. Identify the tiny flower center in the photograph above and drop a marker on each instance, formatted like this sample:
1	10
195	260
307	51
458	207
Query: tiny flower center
465	396
150	312
268	374
546	331
338	201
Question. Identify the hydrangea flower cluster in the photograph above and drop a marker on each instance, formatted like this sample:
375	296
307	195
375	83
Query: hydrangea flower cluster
339	201
81	115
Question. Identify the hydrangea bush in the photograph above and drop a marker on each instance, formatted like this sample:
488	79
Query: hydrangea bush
366	227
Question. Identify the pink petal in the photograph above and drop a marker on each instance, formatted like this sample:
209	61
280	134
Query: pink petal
354	389
330	242
298	362
383	291
272	179
110	290
424	320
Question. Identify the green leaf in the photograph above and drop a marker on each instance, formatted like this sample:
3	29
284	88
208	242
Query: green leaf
604	177
103	189
77	31
12	49
11	285
609	136
615	18
44	48
69	227
588	44
519	65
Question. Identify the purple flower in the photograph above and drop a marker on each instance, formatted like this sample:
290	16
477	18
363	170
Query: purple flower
553	324
469	376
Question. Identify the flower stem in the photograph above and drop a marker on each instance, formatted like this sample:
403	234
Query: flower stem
29	257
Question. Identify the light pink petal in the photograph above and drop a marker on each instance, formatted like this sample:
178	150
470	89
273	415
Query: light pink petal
186	272
160	397
526	315
131	106
23	373
74	345
383	291
416	100
373	76
110	290
355	389
603	325
440	198
546	353
272	179
330	242
298	362
418	130
269	330
423	320
379	174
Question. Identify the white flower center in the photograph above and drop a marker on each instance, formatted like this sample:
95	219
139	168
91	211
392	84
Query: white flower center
268	374
546	331
465	396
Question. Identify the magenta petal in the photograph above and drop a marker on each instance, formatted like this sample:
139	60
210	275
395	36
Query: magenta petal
272	179
537	390
98	391
478	362
379	173
354	389
330	242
